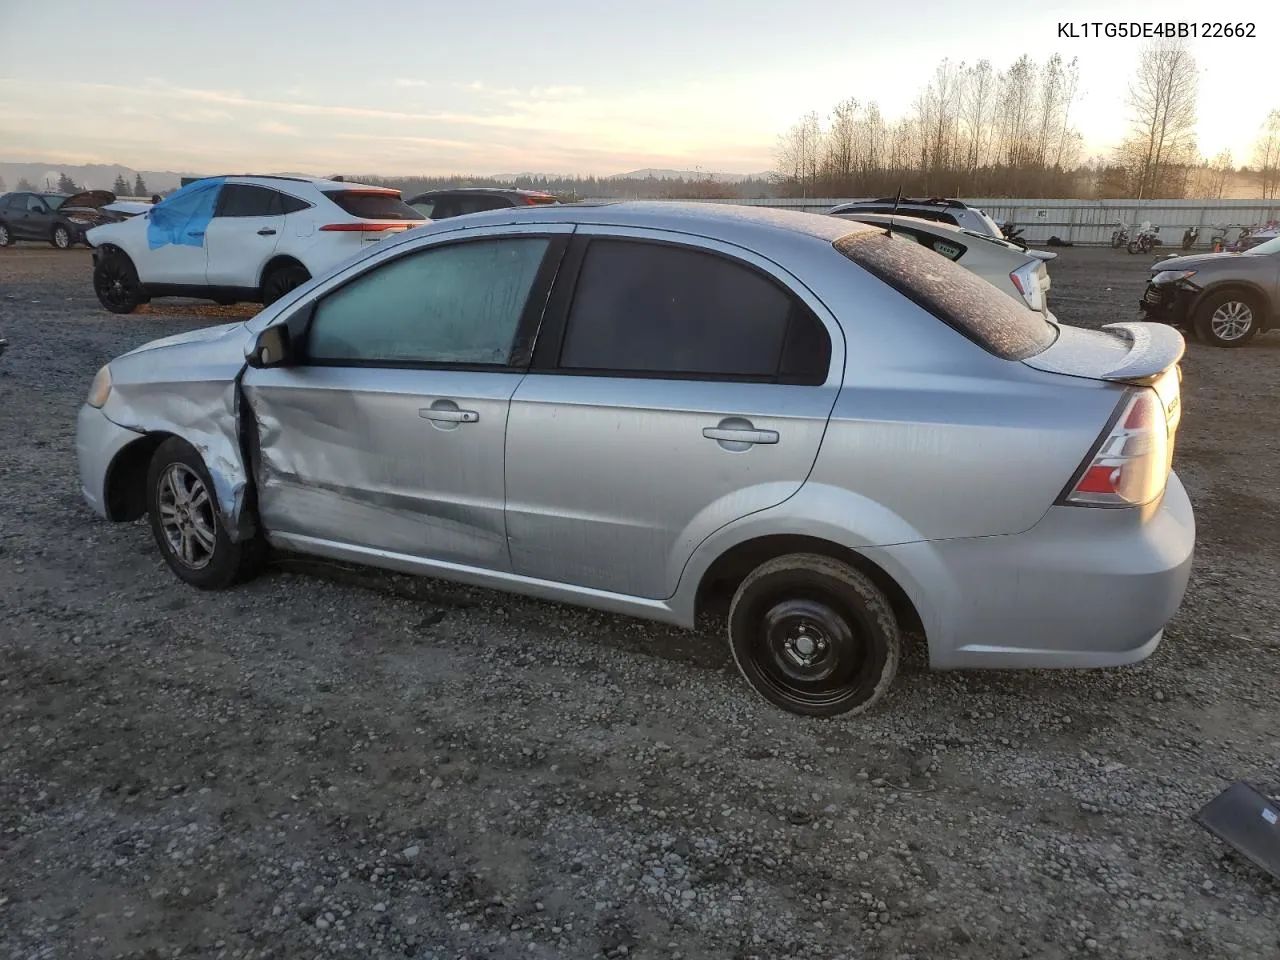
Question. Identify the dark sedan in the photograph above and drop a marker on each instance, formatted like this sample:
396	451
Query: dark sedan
1224	298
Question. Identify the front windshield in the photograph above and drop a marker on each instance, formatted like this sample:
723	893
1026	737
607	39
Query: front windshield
53	202
1271	246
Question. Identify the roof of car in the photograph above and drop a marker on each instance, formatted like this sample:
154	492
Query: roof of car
518	191
319	183
734	223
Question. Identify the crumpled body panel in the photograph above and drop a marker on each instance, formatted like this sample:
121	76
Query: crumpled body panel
188	385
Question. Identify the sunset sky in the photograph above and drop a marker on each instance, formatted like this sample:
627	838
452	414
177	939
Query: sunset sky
401	87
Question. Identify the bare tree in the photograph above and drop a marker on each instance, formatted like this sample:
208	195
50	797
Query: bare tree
841	143
1266	155
799	153
1162	97
977	104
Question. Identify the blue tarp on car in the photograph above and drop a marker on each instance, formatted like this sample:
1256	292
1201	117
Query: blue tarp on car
181	218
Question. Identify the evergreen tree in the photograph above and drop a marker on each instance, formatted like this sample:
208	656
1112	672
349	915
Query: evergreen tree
3	187
66	184
121	186
139	186
24	184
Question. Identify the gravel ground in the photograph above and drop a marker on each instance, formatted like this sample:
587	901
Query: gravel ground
329	762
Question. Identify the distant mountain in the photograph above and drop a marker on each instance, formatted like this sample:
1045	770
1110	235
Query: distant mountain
91	176
658	174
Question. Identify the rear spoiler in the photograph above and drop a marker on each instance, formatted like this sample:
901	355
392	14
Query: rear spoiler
1041	254
1133	352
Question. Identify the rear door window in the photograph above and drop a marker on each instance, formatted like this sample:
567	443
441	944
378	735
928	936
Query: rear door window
373	205
960	299
654	309
247	200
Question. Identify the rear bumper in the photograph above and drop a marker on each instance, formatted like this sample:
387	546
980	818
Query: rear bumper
1085	587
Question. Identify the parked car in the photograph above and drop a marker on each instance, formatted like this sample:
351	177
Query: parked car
60	219
442	204
1225	298
829	434
241	238
940	209
1020	273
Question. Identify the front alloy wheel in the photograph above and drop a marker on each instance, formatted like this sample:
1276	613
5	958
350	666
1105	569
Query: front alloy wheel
183	508
61	237
186	516
1227	320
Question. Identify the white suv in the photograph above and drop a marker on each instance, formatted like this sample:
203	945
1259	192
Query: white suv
248	238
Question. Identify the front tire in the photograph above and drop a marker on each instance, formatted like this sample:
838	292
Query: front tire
183	509
1227	319
61	237
281	280
814	636
116	283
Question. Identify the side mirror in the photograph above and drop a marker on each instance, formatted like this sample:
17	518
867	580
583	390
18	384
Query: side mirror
270	348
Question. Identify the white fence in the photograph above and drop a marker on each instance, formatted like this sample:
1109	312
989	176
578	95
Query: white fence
1091	221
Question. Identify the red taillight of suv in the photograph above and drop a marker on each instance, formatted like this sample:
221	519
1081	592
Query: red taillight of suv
1131	465
365	227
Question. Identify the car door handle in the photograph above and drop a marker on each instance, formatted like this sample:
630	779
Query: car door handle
737	435
446	415
267	232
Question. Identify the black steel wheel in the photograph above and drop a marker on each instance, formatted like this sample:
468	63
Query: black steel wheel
116	283
814	636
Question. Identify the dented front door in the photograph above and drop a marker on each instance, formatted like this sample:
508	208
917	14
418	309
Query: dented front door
406	461
388	430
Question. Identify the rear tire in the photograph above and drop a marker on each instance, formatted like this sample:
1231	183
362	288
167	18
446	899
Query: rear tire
185	521
6	235
61	238
814	636
1227	319
116	283
281	280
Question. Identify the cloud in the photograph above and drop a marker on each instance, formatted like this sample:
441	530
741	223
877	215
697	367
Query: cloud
276	128
406	82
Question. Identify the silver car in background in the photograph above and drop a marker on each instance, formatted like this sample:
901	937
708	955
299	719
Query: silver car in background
834	436
1023	274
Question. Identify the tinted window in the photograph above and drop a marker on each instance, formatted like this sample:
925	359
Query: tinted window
53	202
424	207
36	205
960	299
668	310
479	202
248	200
459	303
290	204
945	246
373	205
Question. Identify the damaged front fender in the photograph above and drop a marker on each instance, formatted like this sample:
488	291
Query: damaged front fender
189	386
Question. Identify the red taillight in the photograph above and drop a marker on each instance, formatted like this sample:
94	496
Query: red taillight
1131	465
363	227
534	201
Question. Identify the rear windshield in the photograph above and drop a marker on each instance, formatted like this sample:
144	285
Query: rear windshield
373	206
960	299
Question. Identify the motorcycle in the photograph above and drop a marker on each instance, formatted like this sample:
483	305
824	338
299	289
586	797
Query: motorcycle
1189	237
1119	237
1148	237
1013	233
1218	241
1239	245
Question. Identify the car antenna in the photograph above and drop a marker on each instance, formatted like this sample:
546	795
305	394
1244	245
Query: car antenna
888	231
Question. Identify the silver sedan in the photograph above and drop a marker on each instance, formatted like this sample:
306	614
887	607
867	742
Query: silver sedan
835	437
